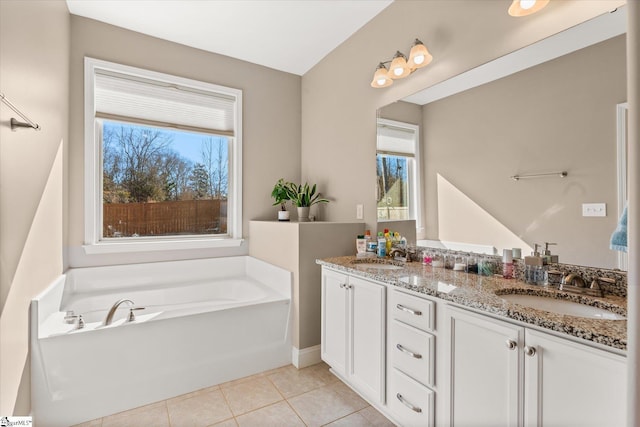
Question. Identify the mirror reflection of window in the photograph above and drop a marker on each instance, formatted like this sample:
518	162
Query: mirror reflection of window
397	167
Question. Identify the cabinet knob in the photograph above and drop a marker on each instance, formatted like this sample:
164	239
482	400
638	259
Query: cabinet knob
343	285
511	344
530	351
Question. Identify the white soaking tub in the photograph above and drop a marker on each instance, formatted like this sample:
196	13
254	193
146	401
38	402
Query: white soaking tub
204	322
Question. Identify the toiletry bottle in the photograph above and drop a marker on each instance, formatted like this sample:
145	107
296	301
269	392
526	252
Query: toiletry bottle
382	246
507	264
361	245
388	241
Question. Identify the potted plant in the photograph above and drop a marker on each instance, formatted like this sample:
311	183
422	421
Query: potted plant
304	196
281	193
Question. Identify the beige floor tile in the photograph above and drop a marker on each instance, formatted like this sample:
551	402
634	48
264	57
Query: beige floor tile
201	410
277	415
322	371
249	395
326	404
241	380
231	422
150	415
353	420
375	418
92	423
349	396
194	393
292	381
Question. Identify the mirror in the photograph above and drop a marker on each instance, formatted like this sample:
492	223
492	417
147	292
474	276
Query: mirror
536	123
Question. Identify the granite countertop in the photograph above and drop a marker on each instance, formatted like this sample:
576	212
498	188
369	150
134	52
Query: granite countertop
482	293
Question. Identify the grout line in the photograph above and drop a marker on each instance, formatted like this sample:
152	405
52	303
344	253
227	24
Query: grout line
166	408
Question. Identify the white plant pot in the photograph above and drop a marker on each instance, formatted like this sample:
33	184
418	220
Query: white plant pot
283	215
303	213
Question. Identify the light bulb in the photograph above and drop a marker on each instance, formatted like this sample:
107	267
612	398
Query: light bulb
397	71
527	4
418	59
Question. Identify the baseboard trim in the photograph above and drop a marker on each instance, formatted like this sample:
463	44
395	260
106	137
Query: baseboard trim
301	358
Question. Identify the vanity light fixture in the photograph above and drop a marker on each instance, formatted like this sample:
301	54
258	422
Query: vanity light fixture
400	67
526	7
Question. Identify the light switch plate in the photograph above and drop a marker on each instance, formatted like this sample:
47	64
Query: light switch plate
359	211
594	209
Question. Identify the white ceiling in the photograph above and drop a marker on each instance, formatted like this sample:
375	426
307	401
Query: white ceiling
287	35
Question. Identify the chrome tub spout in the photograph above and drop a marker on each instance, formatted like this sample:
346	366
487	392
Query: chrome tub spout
112	311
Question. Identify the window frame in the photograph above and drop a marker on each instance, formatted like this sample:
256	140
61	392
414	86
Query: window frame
94	243
414	174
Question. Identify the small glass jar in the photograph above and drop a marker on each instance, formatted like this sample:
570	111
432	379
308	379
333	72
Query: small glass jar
427	257
437	261
460	263
472	264
486	266
449	261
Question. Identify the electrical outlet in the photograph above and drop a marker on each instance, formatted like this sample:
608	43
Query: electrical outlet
594	209
359	211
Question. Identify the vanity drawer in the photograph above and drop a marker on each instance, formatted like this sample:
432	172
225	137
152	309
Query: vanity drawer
412	310
412	352
410	402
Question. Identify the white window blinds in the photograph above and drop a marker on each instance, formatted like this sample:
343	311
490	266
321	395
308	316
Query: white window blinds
396	140
132	98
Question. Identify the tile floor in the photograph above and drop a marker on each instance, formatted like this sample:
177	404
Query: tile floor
282	397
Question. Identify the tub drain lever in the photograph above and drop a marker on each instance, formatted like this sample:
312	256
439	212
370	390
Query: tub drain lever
132	316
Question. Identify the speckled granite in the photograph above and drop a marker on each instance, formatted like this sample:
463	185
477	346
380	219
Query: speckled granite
482	293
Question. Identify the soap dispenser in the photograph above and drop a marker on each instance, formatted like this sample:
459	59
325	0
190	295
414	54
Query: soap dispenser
548	258
535	259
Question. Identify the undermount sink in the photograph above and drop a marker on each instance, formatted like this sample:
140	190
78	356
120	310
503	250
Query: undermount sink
378	265
562	306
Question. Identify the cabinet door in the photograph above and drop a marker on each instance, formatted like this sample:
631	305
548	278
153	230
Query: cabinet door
484	372
367	337
572	384
334	320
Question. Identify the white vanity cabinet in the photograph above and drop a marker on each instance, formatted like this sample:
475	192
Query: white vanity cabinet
353	331
411	359
502	374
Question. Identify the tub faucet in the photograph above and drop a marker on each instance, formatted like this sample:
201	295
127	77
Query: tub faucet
112	311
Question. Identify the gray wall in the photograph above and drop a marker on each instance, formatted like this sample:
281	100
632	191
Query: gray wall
557	116
271	123
34	76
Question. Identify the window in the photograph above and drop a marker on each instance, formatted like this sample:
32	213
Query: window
162	161
397	170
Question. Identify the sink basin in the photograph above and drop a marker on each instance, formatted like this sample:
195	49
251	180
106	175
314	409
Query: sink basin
379	266
562	306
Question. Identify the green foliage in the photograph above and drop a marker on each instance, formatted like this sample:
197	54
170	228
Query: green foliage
281	193
304	195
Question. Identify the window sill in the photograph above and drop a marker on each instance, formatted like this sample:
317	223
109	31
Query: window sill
152	246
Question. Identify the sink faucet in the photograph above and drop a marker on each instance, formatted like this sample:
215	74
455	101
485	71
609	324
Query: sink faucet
112	310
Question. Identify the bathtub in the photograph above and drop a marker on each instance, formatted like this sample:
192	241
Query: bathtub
203	322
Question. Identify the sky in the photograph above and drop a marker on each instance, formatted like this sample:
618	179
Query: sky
187	144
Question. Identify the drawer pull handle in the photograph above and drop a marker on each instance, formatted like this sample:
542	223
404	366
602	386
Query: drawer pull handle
407	404
410	353
408	310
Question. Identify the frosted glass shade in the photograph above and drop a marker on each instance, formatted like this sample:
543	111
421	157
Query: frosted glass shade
526	7
399	68
381	77
419	56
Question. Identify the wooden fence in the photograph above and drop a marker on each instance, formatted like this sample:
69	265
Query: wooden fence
164	218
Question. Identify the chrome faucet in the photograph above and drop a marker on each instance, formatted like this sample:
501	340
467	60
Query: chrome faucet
112	310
